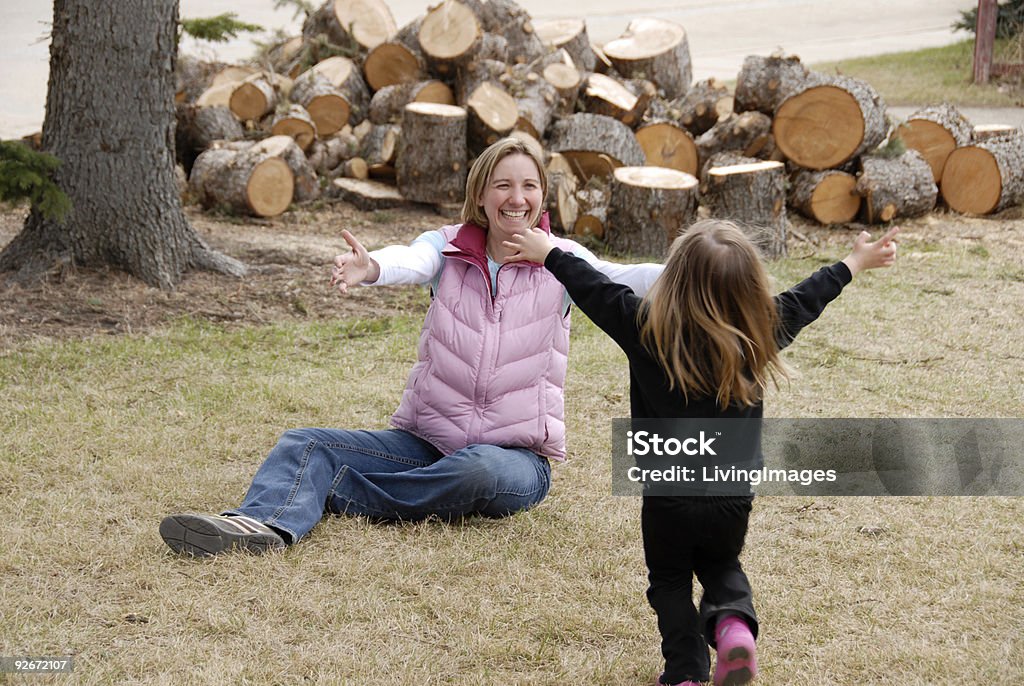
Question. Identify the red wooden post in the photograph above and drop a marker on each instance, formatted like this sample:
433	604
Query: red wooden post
984	39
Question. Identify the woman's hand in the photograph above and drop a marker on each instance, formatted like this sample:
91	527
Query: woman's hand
533	245
866	255
353	268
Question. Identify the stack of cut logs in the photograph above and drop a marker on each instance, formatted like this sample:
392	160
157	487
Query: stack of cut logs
386	115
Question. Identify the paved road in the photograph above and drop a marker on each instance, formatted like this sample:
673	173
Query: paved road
721	33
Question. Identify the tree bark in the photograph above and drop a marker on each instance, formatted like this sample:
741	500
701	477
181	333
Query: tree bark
748	134
387	104
753	195
595	144
118	162
763	82
649	206
198	127
896	187
432	156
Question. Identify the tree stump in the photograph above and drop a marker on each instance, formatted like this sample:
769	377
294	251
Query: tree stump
295	122
985	177
667	145
592	218
606	96
563	209
754	196
722	159
654	49
896	187
493	113
826	121
763	82
256	183
431	160
827	197
595	145
569	35
649	207
984	132
748	134
935	132
363	24
368	196
252	98
387	104
392	63
449	36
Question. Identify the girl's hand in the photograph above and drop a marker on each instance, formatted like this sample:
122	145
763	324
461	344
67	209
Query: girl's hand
866	255
533	245
353	268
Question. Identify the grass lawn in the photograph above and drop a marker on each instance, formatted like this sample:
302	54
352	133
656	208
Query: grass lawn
931	76
101	436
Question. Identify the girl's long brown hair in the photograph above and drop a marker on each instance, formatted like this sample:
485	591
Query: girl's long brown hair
710	319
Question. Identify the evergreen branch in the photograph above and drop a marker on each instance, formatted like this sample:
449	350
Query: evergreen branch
219	29
27	175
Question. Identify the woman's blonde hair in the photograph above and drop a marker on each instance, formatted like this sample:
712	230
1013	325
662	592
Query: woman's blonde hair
710	319
483	167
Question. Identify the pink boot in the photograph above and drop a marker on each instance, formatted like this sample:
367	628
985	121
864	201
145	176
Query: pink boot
681	683
737	654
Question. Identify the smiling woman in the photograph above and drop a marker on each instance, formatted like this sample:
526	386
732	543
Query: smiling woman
482	413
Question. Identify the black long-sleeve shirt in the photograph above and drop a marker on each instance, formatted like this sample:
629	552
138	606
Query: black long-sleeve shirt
613	307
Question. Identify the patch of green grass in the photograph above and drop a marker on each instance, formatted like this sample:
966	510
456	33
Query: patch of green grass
928	76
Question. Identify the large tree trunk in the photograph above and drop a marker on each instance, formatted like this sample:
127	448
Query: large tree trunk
118	161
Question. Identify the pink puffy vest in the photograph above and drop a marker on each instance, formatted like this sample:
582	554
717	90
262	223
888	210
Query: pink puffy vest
490	371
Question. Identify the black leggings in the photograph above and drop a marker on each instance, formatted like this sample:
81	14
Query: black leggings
700	535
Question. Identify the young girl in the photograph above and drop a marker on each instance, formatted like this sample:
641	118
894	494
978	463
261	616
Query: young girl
703	343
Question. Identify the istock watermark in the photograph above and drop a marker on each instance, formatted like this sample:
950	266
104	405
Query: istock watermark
818	457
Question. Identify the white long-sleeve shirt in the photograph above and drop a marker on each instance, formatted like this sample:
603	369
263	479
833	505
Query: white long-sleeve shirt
420	262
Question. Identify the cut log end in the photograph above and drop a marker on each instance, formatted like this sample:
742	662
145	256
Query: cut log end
270	188
835	200
933	141
655	177
971	181
820	128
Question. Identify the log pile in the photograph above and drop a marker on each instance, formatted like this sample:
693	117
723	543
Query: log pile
391	114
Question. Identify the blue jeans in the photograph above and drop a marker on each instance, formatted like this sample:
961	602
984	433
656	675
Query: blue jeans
387	475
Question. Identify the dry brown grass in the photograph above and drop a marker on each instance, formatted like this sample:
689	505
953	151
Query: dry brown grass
104	435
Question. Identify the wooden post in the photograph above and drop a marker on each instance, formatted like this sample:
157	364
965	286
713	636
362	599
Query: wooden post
984	39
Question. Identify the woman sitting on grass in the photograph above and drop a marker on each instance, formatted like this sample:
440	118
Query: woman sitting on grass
703	343
482	412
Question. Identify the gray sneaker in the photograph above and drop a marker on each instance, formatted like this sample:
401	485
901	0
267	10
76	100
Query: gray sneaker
203	535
